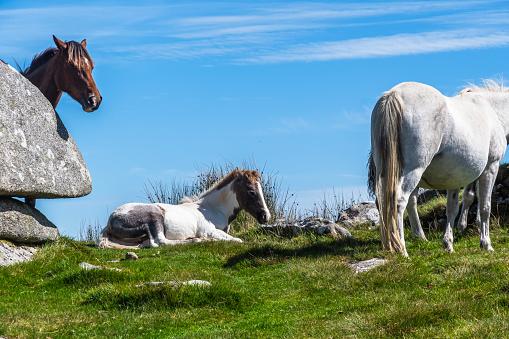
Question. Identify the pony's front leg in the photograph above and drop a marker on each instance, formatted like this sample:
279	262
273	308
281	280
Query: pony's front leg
217	234
468	199
452	209
486	181
413	216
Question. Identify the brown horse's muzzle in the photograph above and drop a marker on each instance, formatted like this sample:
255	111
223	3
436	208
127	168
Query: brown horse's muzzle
91	103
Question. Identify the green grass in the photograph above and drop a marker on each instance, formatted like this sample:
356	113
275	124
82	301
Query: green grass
269	286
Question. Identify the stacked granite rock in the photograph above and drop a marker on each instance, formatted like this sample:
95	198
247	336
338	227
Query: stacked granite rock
38	159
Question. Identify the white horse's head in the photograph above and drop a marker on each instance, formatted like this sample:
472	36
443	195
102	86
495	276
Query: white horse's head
248	190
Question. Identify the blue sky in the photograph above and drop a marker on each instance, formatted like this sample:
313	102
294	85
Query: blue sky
288	84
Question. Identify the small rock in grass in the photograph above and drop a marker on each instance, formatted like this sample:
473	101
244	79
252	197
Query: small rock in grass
87	266
176	284
366	265
197	282
131	256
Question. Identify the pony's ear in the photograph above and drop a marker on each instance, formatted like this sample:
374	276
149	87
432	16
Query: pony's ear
84	43
60	44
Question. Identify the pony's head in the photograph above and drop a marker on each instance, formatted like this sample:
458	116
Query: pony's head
248	190
73	73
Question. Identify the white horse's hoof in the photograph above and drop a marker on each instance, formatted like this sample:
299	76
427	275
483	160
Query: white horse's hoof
447	245
449	250
486	245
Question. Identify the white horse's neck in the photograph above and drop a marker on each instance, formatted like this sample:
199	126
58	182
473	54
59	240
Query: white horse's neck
499	101
223	201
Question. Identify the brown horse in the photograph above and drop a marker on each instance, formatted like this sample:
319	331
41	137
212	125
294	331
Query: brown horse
64	68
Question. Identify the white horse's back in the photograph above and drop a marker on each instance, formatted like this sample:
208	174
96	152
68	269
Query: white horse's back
439	133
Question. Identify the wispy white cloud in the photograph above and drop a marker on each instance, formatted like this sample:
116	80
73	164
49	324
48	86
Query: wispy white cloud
395	45
260	32
299	12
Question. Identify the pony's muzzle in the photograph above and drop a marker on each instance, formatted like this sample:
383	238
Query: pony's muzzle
263	217
91	103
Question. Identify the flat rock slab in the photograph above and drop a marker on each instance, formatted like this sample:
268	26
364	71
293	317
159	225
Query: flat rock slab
366	265
11	254
22	223
38	156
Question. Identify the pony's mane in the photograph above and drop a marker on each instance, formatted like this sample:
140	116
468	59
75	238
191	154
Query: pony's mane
75	51
235	174
488	85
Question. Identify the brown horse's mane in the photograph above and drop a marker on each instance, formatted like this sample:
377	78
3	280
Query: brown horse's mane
75	50
252	176
40	59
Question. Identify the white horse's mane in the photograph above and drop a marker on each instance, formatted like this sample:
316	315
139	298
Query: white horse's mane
489	85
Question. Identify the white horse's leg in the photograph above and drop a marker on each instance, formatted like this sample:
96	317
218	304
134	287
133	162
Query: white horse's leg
408	184
486	182
413	216
468	199
478	215
452	209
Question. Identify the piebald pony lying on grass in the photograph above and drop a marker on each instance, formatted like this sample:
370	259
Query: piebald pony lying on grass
208	215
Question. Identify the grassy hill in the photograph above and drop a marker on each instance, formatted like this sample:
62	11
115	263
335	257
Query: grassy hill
269	286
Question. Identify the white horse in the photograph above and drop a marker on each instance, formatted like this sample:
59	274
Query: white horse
420	138
208	215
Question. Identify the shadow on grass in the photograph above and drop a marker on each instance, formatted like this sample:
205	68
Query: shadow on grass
275	253
168	297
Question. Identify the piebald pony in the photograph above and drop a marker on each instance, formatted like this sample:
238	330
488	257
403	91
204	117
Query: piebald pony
208	215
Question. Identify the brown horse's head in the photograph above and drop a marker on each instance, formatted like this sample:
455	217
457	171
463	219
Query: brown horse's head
248	189
73	73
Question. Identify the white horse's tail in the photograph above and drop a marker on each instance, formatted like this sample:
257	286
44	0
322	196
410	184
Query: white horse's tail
385	129
107	241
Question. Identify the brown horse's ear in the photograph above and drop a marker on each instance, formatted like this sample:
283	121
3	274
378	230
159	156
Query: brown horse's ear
60	44
84	43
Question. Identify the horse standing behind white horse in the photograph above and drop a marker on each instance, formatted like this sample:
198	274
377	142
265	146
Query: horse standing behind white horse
420	138
208	215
